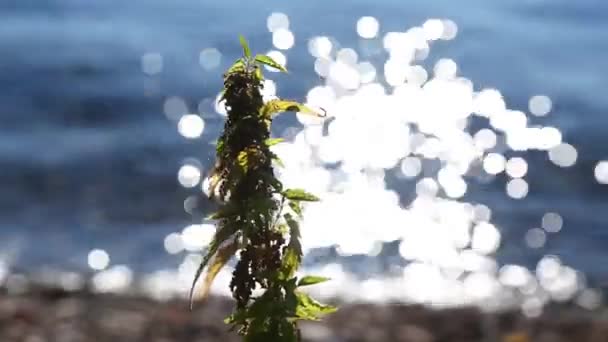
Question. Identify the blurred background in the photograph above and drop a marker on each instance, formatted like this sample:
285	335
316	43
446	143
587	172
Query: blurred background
465	146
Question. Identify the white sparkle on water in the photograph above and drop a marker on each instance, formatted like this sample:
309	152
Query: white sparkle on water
276	21
540	105
494	163
210	58
367	27
517	188
189	175
411	167
197	236
433	29
535	238
283	39
191	126
397	116
563	155
175	107
450	29
173	243
516	167
320	47
152	63
552	222
601	172
98	259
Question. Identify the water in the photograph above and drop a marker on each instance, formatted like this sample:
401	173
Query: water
90	160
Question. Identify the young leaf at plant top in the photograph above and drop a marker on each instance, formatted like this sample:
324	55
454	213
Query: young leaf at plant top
245	45
270	62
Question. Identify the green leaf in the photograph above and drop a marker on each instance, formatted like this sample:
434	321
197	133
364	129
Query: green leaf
293	252
296	207
243	160
311	280
246	50
270	62
310	309
300	195
273	141
220	146
221	257
279	106
258	74
278	161
238	66
222	234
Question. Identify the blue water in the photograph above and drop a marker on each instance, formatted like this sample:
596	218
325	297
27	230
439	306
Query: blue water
88	160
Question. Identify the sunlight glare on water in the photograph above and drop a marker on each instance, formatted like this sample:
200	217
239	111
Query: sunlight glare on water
396	117
283	39
276	21
367	27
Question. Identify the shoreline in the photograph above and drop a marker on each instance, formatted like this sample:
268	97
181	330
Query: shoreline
52	314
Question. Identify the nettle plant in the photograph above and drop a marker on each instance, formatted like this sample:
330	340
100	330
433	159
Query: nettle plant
257	217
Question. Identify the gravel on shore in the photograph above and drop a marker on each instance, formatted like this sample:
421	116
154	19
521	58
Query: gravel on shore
56	315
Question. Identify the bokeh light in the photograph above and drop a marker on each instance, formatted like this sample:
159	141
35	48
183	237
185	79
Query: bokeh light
276	21
552	222
152	63
175	107
396	115
210	58
98	259
173	243
191	126
516	167
367	27
517	188
535	238
601	172
189	175
540	105
563	155
283	39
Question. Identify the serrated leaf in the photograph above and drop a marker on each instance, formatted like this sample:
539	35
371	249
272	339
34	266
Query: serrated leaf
279	106
310	309
245	45
312	280
273	141
300	195
270	62
222	234
220	258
